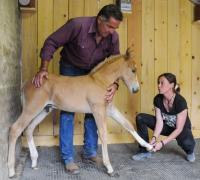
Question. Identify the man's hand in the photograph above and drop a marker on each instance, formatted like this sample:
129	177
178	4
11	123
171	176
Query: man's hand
38	78
110	92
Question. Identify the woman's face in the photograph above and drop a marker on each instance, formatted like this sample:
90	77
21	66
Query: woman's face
164	86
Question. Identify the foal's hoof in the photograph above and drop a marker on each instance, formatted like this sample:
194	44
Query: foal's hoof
114	174
13	177
12	173
149	148
35	168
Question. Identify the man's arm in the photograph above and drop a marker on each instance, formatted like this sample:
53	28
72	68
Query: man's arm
57	39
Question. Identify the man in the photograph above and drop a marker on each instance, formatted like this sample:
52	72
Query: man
86	41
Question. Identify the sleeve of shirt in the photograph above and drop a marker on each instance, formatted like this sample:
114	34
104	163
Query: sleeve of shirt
181	104
156	102
57	39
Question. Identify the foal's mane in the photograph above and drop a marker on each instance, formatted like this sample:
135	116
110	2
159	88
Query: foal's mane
107	61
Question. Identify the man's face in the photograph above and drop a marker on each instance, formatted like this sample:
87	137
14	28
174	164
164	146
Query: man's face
107	27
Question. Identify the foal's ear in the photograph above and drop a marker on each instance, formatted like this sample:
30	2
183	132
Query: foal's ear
129	53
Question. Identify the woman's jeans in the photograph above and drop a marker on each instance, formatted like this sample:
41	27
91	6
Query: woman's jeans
185	139
67	125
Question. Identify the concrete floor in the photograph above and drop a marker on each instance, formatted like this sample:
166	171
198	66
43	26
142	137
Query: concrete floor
167	164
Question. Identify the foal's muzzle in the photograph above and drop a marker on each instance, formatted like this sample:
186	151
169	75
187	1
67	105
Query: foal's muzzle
135	89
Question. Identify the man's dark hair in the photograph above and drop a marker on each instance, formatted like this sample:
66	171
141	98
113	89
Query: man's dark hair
111	10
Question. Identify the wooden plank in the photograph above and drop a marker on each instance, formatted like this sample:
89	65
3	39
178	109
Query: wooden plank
147	74
101	3
60	17
45	24
173	30
195	110
122	31
29	45
185	50
134	36
45	28
91	8
160	39
76	8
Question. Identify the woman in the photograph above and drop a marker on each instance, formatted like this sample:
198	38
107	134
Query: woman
171	120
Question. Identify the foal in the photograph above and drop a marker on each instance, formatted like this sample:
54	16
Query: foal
83	94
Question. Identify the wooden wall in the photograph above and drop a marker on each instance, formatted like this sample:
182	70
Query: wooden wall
170	41
164	37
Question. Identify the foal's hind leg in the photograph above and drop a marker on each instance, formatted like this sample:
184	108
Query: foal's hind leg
113	112
15	131
29	136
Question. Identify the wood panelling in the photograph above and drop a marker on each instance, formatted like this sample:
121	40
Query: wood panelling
185	50
173	43
195	110
164	38
160	39
134	35
29	55
148	62
45	27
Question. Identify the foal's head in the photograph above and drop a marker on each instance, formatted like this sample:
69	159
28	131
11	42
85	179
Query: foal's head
129	74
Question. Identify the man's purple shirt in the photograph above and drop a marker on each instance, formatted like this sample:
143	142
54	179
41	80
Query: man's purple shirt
77	37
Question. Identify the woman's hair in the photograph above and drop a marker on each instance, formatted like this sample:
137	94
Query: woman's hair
172	79
111	10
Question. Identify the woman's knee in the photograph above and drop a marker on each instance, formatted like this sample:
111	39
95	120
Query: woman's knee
140	117
187	143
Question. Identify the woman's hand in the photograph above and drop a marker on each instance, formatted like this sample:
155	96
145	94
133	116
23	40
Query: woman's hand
158	146
38	78
153	141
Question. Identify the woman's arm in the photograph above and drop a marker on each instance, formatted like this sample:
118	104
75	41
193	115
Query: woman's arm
158	127
159	123
181	118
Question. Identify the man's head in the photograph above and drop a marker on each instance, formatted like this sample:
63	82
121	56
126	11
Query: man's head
108	19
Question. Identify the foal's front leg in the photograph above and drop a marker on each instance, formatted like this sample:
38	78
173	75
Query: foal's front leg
113	112
100	118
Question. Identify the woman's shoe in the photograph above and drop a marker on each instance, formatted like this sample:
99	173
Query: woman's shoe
141	156
190	157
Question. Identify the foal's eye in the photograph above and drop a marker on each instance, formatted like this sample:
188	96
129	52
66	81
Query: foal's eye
133	70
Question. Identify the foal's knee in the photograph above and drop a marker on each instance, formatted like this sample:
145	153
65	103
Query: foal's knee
28	132
13	133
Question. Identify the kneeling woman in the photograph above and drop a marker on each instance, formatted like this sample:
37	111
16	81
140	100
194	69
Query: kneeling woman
171	120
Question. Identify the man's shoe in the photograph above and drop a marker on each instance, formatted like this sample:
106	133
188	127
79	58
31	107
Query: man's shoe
71	168
93	160
141	156
190	157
